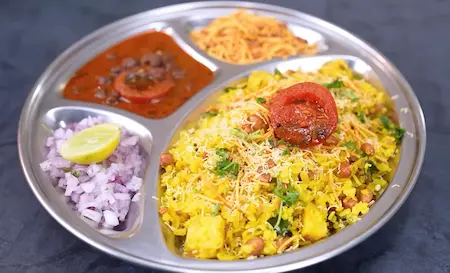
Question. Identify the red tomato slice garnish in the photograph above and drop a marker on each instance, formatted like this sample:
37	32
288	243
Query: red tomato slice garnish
155	90
304	114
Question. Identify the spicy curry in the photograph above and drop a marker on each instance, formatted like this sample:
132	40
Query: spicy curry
148	74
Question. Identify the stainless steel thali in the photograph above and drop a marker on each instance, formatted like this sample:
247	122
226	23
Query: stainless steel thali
143	242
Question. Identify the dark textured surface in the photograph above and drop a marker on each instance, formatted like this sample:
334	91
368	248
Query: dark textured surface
413	34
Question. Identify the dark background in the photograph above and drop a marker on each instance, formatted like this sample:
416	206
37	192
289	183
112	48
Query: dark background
412	34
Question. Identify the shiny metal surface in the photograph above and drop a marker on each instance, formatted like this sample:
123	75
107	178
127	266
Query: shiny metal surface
143	242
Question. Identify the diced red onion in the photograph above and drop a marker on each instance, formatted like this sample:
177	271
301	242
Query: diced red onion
92	214
109	187
136	197
93	169
134	184
88	186
131	141
122	196
111	218
75	197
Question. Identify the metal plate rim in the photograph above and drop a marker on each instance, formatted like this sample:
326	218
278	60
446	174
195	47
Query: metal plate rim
420	123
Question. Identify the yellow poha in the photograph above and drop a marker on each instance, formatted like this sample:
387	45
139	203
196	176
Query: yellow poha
227	186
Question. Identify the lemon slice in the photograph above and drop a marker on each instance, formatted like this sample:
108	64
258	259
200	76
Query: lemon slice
91	145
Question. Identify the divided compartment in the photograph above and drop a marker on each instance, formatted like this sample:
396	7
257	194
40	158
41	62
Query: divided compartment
89	52
298	28
306	64
61	117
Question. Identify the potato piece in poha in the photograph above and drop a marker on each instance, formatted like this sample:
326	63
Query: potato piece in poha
205	236
314	223
258	79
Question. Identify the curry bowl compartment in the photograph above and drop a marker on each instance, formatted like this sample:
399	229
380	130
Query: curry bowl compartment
311	64
150	71
63	117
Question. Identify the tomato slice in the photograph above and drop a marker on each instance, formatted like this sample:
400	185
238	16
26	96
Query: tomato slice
304	114
149	92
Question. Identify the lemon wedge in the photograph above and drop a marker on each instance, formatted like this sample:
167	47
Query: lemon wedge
91	145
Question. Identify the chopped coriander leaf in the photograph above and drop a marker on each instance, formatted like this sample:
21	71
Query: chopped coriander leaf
285	152
254	135
349	144
334	84
222	152
260	100
281	141
350	94
386	122
210	113
278	73
398	133
66	170
372	168
241	134
238	133
216	209
224	165
75	173
228	89
288	195
280	225
271	143
362	117
273	220
347	93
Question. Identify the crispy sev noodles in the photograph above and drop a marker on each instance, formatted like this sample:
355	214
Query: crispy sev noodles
244	38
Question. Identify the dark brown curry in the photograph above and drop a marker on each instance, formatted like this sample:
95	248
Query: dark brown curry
148	74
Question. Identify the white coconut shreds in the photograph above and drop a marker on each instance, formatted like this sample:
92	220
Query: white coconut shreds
101	192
